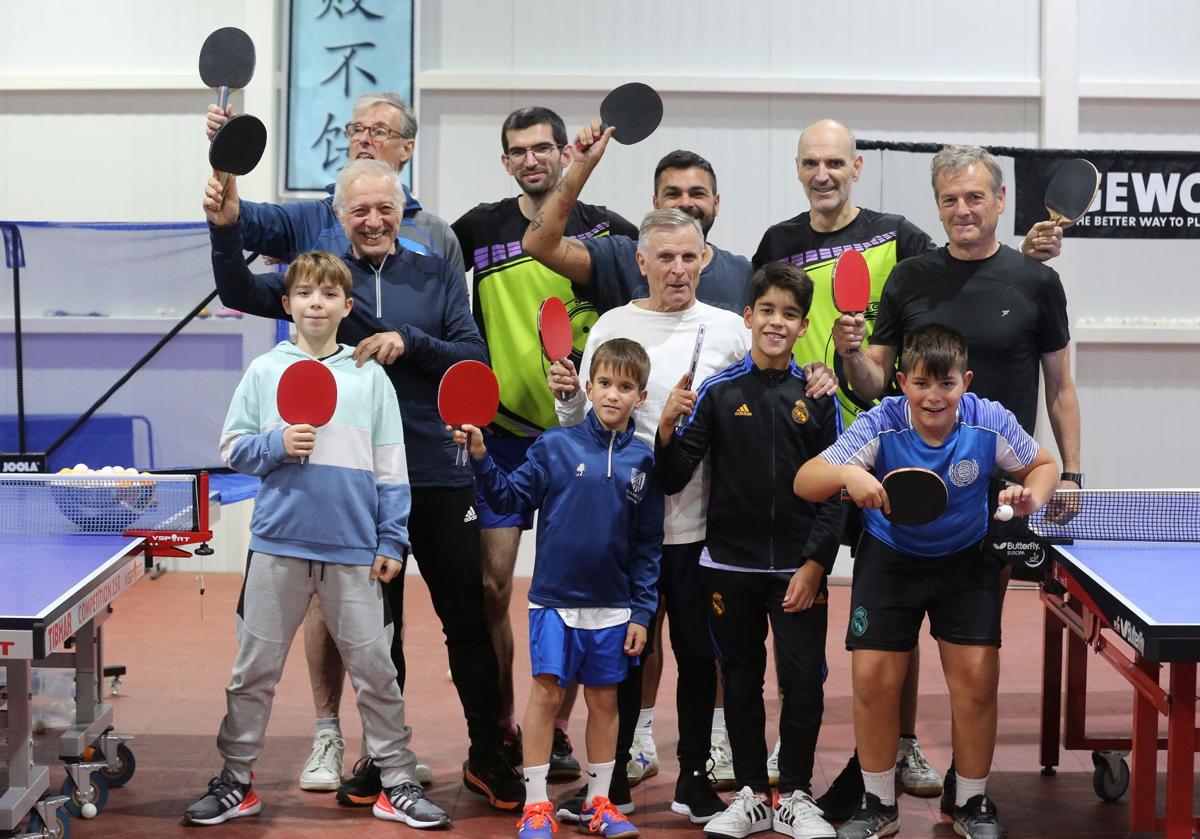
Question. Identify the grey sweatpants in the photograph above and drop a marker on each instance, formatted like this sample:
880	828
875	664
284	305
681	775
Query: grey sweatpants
275	596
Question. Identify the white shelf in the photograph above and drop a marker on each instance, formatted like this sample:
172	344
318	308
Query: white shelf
110	326
1136	334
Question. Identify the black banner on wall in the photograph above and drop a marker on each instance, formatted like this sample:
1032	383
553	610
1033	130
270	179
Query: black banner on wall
1143	195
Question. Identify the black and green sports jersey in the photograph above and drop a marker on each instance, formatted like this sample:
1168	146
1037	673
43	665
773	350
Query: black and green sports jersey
509	287
883	239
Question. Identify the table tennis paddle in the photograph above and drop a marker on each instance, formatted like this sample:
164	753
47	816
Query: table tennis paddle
237	148
468	395
851	284
916	496
307	394
692	368
227	62
1071	191
634	109
554	325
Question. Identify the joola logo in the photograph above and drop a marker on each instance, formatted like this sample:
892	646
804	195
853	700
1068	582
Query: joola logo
1131	634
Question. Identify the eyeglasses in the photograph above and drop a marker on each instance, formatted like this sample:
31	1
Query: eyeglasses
377	132
540	152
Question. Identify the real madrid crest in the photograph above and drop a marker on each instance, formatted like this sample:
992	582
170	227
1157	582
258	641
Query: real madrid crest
718	604
800	412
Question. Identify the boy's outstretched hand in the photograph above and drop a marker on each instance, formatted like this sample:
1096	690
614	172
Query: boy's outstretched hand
635	639
804	587
385	569
681	401
469	436
299	440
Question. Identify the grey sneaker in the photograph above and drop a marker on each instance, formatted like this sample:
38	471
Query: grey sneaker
872	820
407	803
977	819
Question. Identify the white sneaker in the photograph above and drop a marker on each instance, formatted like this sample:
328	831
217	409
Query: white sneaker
773	766
748	812
423	774
722	763
800	817
644	761
914	775
323	772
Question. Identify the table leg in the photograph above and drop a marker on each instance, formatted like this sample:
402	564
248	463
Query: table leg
1181	750
1144	758
1052	657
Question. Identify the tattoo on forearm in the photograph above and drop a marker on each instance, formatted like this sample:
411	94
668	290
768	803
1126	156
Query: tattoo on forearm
537	222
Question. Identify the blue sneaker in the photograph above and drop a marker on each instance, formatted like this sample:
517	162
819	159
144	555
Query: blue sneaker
601	818
537	821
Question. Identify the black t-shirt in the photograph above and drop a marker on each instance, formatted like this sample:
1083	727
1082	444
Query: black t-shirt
1010	308
508	287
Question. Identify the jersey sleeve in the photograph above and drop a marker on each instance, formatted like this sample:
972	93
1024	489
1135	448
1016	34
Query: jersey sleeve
911	240
859	445
1015	448
615	276
675	462
464	231
889	330
239	288
522	489
1053	329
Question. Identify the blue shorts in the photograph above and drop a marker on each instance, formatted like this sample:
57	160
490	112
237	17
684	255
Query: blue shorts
508	453
592	657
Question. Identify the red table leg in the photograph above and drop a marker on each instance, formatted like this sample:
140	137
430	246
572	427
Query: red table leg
1144	759
1181	750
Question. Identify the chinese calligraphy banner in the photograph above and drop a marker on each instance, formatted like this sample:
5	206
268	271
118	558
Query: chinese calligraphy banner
339	49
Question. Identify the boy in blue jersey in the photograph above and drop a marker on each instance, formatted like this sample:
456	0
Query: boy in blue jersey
593	592
901	572
767	552
331	520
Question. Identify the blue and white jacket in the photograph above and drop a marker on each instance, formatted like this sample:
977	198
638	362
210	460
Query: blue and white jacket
600	529
350	500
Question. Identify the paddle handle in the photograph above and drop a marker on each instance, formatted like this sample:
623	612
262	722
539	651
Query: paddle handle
223	97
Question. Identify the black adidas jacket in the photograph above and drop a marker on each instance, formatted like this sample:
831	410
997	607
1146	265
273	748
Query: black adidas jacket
760	428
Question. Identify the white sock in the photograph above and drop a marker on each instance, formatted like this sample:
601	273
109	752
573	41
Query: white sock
645	723
599	777
968	788
718	722
535	783
329	724
882	785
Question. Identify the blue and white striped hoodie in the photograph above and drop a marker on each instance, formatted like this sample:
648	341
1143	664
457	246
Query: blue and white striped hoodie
351	499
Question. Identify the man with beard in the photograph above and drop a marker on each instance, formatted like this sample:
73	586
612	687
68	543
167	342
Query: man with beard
508	288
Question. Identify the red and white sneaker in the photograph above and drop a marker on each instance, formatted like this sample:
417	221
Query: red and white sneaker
226	799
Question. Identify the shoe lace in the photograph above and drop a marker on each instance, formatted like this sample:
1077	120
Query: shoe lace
562	742
221	785
800	803
538	815
602	807
406	791
746	799
364	766
917	761
323	747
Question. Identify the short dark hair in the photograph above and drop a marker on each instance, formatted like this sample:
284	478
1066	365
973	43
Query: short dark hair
786	277
939	350
623	356
529	117
682	159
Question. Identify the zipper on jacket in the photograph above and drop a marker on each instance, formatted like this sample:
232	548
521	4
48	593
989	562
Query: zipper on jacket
379	286
611	442
774	468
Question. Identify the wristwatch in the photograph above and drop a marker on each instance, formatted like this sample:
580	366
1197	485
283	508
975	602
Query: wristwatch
1073	477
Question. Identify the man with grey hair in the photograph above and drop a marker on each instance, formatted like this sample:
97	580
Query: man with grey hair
382	127
1013	313
670	253
420	303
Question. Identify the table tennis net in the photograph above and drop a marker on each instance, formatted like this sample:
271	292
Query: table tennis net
96	504
1121	515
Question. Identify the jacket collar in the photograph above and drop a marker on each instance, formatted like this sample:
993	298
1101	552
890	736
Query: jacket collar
602	435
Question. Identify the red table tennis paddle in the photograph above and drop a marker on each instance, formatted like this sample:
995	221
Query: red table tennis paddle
307	394
1071	191
468	395
227	62
634	109
554	325
851	284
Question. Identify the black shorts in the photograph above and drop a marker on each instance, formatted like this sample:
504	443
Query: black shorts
892	592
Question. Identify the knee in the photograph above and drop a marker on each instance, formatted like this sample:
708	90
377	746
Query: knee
497	593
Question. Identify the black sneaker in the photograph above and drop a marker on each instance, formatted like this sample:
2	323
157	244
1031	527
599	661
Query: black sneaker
226	799
871	821
977	819
510	747
618	794
841	800
949	782
363	787
563	765
695	798
407	803
499	784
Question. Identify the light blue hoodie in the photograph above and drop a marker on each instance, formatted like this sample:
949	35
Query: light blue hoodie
350	500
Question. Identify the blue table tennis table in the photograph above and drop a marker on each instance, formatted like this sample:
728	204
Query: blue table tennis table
1133	598
56	587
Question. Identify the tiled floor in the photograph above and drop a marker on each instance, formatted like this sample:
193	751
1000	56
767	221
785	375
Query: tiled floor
173	700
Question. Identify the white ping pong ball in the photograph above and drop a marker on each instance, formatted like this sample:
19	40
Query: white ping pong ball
1004	513
88	810
81	467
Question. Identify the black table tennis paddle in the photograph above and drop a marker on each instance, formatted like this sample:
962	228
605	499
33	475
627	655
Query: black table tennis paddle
915	496
1071	190
634	110
238	146
227	62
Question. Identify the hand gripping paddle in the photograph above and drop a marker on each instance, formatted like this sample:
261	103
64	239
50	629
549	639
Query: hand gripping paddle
851	284
307	394
916	496
468	395
1071	191
634	109
554	325
692	368
227	62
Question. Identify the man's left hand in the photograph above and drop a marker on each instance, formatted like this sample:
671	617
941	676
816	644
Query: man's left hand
820	379
384	347
1043	242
